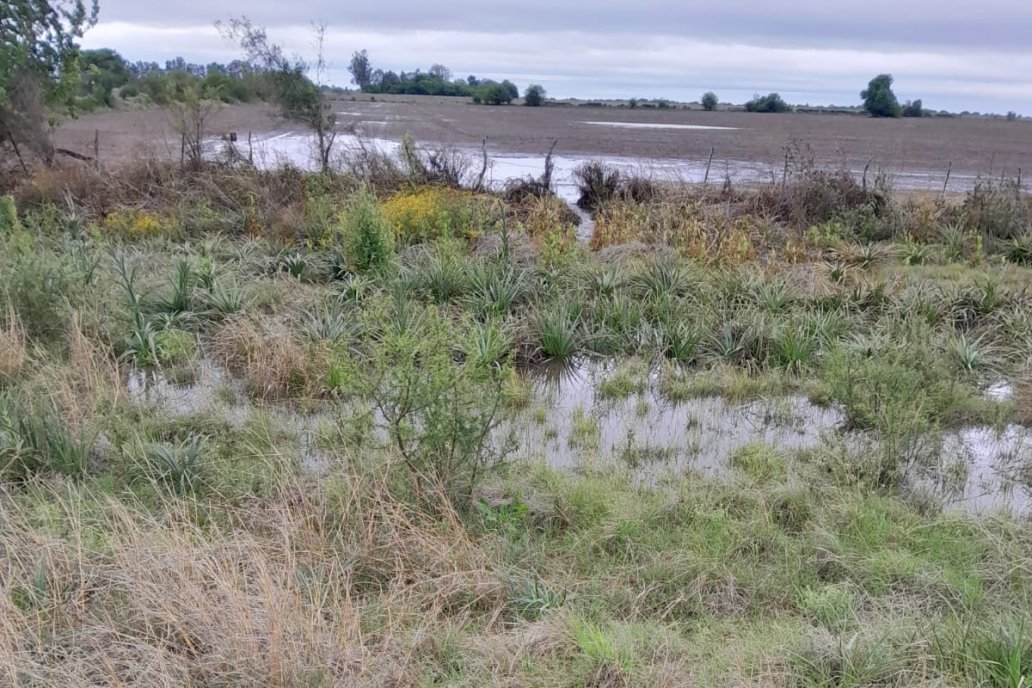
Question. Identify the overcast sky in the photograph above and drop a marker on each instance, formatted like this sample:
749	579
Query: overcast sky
957	55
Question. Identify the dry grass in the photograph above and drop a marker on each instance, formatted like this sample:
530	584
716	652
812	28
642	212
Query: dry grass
707	234
88	384
271	357
312	587
13	346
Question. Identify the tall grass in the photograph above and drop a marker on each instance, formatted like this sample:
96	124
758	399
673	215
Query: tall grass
13	346
35	440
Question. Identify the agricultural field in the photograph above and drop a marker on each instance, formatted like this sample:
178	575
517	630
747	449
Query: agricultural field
917	153
381	427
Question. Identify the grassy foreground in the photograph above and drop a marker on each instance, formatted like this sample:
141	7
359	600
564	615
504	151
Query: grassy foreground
336	507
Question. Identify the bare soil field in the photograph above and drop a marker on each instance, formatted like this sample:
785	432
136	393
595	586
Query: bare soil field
973	146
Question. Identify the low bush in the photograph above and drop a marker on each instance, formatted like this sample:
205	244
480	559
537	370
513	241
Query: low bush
365	234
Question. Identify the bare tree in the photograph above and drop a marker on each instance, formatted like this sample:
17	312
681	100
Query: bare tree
439	71
191	112
299	84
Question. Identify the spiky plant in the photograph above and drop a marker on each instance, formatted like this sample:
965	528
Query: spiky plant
329	324
794	349
494	289
488	343
294	263
972	354
558	333
662	278
177	466
225	297
954	241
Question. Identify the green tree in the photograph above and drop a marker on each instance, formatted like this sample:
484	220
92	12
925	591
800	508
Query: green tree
709	101
39	67
103	71
361	69
535	96
913	109
493	94
514	92
772	102
879	100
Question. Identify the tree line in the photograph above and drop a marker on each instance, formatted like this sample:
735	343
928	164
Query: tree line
878	98
106	77
436	81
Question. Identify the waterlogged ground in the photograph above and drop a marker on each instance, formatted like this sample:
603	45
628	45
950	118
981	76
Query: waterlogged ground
581	415
595	413
915	153
296	149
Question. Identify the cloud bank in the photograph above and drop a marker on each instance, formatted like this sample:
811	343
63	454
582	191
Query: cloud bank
952	55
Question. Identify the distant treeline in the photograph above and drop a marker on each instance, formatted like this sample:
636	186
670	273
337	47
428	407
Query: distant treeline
107	78
436	81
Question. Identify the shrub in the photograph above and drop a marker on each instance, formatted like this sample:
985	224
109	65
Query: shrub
133	224
40	284
365	233
493	94
437	413
8	216
534	96
999	210
772	102
598	184
431	213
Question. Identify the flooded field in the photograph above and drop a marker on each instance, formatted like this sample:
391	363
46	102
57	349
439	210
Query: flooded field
914	154
505	166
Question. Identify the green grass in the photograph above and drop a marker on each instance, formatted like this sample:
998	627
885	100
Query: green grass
356	521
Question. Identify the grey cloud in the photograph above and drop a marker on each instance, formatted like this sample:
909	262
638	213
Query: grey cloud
990	24
951	56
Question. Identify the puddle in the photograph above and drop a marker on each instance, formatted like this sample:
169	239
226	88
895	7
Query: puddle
572	422
212	390
209	388
981	470
1000	391
648	125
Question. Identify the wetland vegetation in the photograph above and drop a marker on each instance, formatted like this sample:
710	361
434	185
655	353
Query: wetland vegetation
369	427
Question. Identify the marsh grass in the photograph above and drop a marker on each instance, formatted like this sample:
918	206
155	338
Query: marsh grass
268	353
35	440
13	346
340	509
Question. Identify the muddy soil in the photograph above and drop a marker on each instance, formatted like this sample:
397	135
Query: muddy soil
972	146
